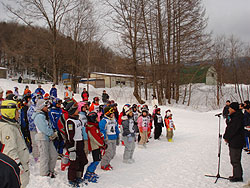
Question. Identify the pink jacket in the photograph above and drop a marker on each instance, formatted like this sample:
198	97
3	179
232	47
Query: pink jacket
143	123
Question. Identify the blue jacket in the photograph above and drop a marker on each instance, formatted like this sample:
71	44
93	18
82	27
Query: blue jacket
31	110
43	125
103	129
53	92
54	115
83	118
40	90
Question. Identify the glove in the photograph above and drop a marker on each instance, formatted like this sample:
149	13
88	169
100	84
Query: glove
174	127
169	129
72	155
130	139
105	146
53	136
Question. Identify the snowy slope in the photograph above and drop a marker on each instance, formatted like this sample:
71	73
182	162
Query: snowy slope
182	163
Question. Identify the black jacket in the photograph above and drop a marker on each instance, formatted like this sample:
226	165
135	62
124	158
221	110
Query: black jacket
105	97
225	112
9	173
234	133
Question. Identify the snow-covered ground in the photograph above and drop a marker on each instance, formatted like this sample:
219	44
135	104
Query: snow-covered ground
182	163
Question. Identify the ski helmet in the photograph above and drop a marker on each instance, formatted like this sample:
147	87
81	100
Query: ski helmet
8	109
92	117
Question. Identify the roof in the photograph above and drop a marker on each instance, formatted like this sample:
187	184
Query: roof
115	75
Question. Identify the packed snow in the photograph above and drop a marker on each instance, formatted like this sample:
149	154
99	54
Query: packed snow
182	163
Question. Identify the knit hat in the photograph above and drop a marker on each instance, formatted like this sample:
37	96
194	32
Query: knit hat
8	109
80	105
234	105
127	110
40	104
71	107
108	111
144	109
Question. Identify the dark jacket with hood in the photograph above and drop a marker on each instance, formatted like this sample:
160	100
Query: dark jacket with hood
234	133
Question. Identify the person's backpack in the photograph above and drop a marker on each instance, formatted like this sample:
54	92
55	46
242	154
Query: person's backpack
62	123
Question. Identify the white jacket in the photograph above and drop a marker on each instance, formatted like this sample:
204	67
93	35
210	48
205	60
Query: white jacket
15	147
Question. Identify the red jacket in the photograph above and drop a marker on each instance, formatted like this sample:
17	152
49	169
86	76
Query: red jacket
95	137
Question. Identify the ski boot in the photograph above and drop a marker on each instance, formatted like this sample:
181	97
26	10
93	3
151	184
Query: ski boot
90	177
74	184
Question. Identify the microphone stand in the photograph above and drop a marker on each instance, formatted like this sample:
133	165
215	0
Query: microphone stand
219	154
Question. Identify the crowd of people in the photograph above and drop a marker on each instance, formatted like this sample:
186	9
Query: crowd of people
237	134
51	128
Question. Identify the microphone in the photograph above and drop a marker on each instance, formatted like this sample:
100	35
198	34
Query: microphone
218	114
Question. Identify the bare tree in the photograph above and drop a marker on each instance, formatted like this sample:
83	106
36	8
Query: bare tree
51	12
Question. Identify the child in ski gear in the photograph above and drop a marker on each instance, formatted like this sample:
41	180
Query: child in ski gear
158	122
16	91
12	138
95	142
95	105
55	113
53	91
82	108
45	136
169	123
109	128
128	134
26	91
75	145
40	90
85	95
10	172
143	125
105	97
100	113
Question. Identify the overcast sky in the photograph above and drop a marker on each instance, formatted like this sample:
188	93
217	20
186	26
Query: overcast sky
225	17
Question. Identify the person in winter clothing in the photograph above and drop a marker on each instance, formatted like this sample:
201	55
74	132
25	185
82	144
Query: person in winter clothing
225	112
11	136
20	79
55	113
10	172
169	123
95	105
27	91
128	126
1	99
116	113
154	101
247	126
75	145
109	128
85	95
95	143
25	124
82	108
40	90
158	122
32	126
68	94
100	113
135	116
16	93
45	136
53	91
105	97
234	136
143	125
